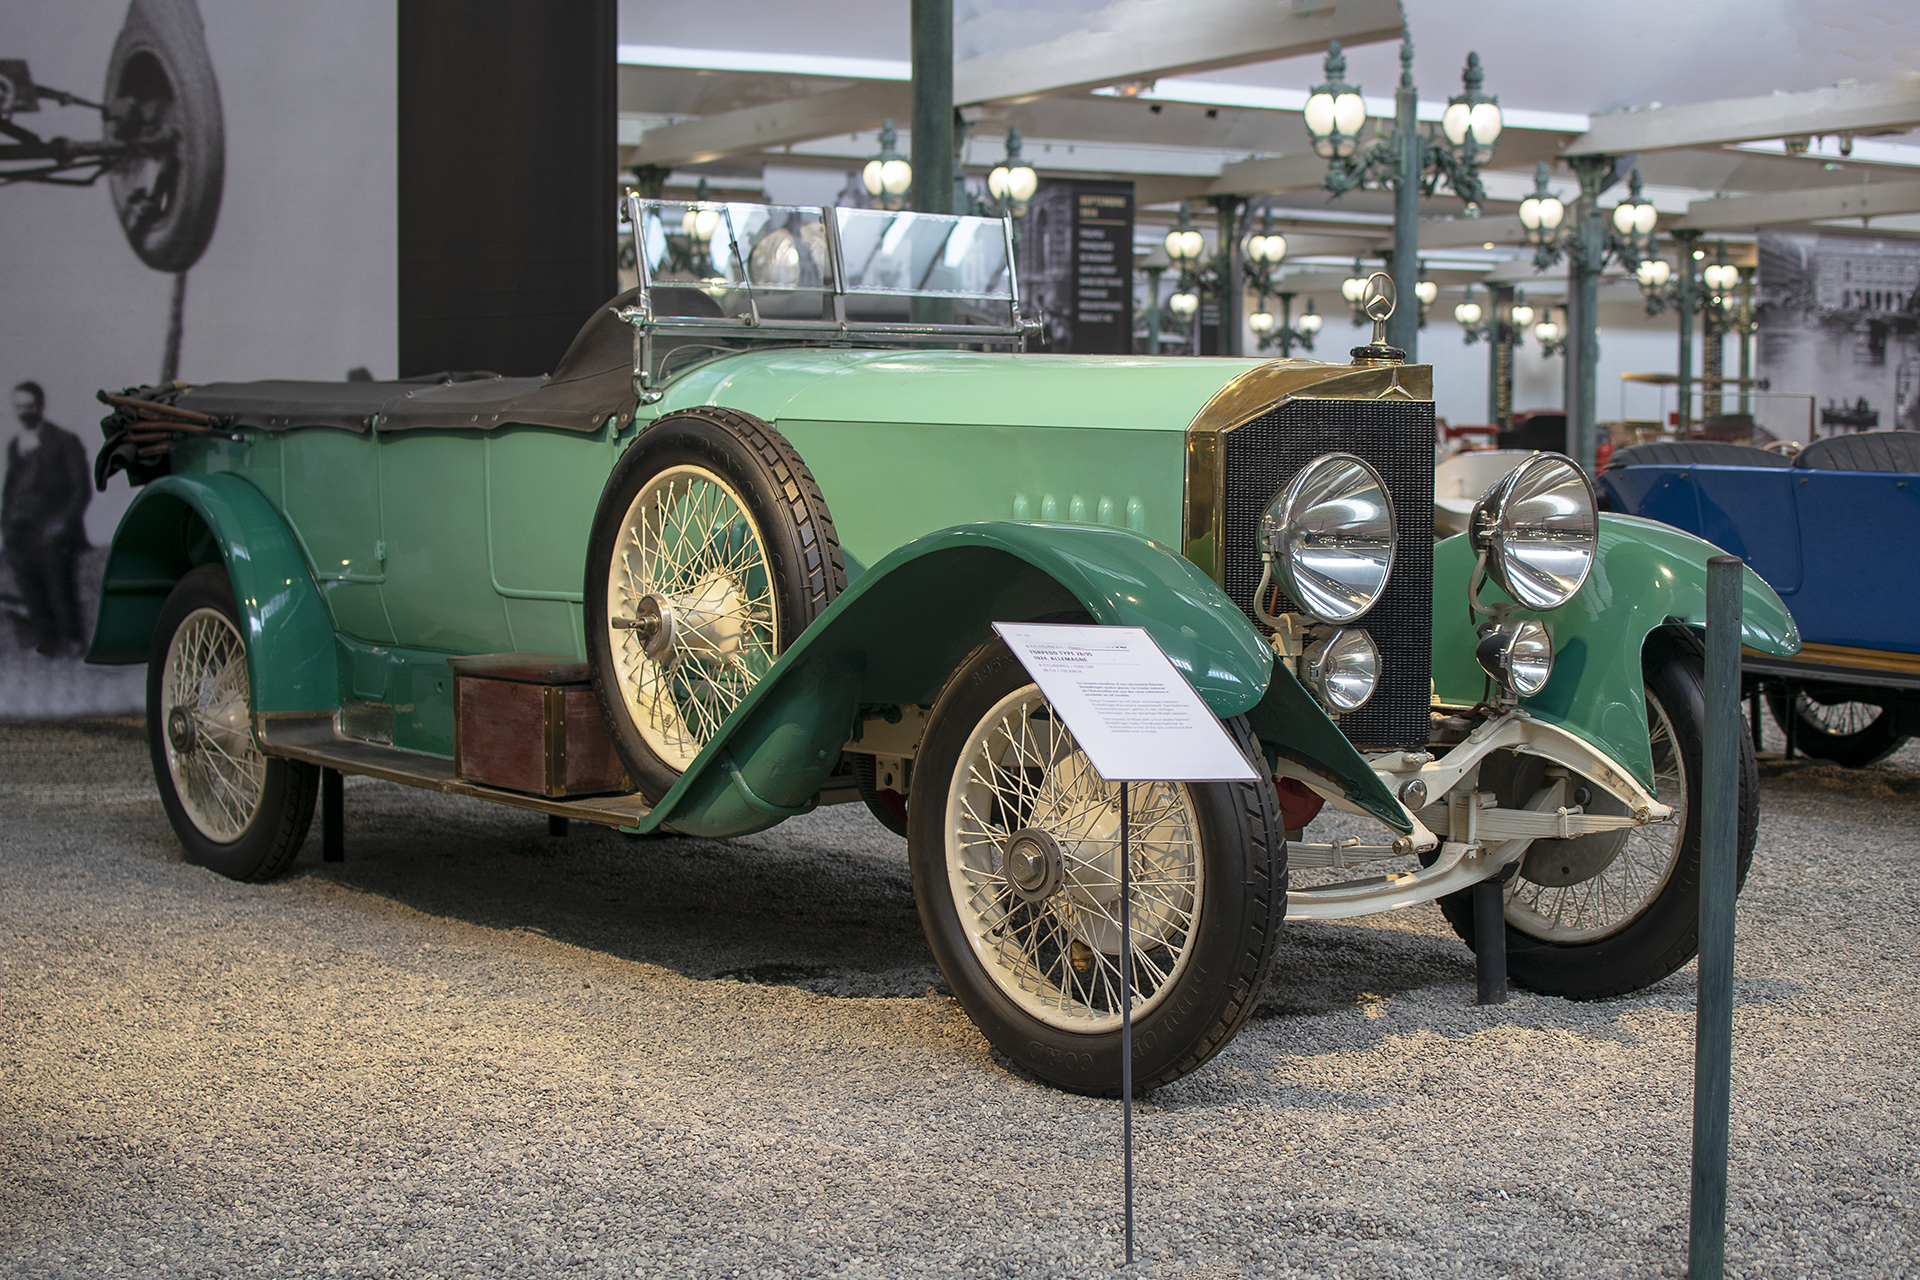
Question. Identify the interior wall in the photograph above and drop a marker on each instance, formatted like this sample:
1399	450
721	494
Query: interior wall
297	280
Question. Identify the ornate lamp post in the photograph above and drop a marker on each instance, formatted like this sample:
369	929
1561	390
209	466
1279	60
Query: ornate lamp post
888	177
1354	290
1587	242
1402	159
1013	180
1502	323
1285	332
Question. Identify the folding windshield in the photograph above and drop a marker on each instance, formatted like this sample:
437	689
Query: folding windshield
754	263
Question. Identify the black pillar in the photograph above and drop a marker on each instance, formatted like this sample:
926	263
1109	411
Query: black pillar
507	180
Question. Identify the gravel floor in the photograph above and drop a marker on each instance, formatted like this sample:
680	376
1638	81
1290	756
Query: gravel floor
475	1050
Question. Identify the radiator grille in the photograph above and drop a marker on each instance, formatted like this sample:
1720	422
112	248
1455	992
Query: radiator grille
1396	437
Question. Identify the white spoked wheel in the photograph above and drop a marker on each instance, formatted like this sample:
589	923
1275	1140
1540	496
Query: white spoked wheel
217	768
691	622
1600	915
1619	892
1033	858
1014	841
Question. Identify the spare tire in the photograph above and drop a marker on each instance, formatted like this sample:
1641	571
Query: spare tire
711	551
163	103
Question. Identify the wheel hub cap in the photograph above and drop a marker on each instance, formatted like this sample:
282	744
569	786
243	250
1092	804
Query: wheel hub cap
180	730
1033	864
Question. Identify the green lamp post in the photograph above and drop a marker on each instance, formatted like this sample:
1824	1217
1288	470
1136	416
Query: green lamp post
1403	160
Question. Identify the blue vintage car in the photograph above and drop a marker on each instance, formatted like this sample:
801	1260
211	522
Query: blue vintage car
1835	530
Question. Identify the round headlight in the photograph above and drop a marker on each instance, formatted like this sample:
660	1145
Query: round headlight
1330	537
1342	669
1519	656
1539	528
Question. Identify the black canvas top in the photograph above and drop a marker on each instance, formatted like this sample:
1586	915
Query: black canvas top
594	381
1689	453
1897	451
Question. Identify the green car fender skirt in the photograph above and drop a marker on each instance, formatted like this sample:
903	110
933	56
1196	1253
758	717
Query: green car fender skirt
1646	575
179	522
898	633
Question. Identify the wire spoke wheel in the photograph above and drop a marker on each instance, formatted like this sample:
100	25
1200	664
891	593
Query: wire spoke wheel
691	618
1047	929
218	770
1607	913
235	809
711	551
1849	733
1014	841
1608	901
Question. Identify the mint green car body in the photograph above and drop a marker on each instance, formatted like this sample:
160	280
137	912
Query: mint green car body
965	487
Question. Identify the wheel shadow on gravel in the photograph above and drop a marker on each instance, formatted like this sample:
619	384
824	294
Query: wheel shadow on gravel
823	903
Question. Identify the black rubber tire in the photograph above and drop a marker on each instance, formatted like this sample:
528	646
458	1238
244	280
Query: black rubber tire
784	501
1869	744
1666	935
888	807
279	827
1243	902
160	83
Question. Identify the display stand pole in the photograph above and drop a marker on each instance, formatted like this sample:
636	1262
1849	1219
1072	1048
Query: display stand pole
1713	1035
1126	1015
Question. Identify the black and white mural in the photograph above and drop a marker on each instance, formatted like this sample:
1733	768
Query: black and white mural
195	190
1839	320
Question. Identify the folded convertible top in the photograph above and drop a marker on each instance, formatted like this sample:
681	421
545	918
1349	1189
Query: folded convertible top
593	382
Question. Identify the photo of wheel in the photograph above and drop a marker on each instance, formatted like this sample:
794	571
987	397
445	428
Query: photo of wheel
236	810
1014	841
1602	915
163	103
711	550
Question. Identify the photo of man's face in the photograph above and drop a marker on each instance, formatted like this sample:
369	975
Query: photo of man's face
26	407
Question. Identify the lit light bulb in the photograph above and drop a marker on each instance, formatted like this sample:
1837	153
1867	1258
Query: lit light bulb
1261	322
1522	316
1467	313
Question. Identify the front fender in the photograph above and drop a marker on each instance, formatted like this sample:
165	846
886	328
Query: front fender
898	633
178	522
1646	575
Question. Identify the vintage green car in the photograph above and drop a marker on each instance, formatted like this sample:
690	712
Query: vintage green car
751	537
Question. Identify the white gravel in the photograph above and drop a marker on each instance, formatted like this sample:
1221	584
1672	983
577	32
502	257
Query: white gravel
475	1050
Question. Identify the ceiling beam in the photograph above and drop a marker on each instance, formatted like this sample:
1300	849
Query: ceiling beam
1878	199
1848	109
1146	39
1137	40
821	115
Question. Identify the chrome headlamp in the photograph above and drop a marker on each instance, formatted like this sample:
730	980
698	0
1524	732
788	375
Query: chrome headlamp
1539	529
1518	655
1330	537
1341	668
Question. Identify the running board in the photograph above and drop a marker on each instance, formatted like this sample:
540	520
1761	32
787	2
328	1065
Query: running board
315	740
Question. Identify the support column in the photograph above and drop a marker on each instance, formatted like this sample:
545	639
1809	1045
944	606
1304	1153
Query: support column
932	155
1403	330
1687	291
1712	367
1501	334
1746	342
1229	208
1153	309
1584	258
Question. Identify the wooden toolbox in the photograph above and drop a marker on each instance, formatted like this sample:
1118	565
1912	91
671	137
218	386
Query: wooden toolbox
530	722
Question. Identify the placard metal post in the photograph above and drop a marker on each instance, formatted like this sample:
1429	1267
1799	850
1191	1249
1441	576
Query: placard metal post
1126	1013
1137	720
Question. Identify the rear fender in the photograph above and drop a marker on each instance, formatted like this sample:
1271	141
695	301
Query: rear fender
1646	575
179	522
897	634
